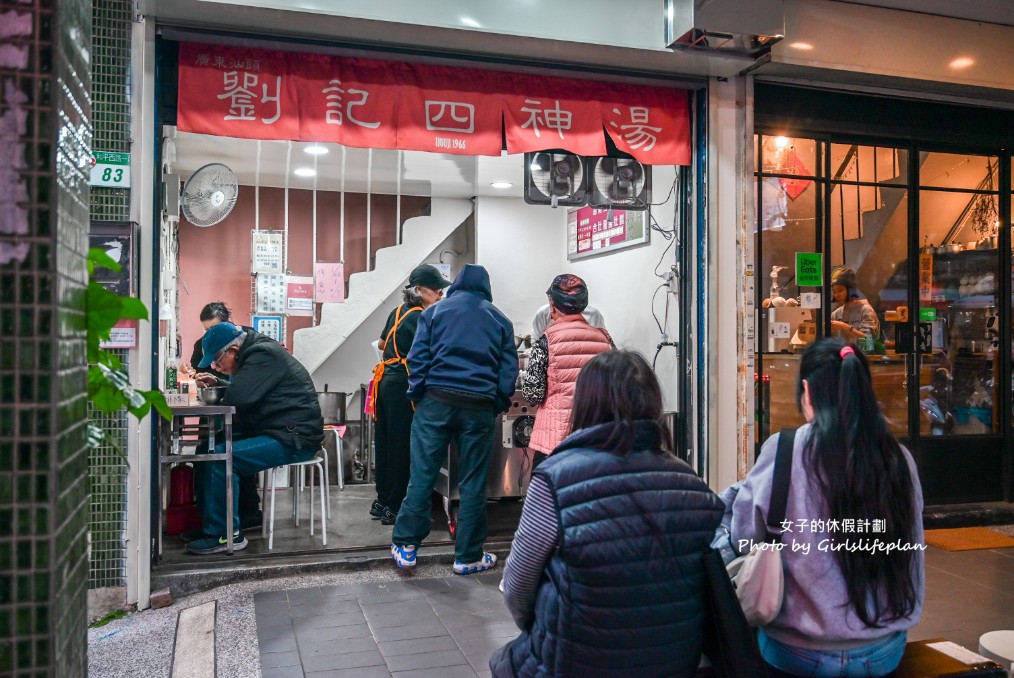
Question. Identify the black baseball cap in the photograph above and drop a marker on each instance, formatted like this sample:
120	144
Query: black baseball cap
427	276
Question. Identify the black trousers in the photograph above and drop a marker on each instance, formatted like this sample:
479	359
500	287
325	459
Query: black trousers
392	439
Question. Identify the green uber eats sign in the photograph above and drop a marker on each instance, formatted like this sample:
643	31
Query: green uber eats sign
809	267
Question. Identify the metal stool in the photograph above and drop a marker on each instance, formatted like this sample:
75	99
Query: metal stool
320	465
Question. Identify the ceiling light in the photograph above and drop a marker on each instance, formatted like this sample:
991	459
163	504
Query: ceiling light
781	142
304	172
316	149
962	63
469	21
501	184
803	46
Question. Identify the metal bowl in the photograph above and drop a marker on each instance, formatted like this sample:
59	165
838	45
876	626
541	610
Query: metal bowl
212	395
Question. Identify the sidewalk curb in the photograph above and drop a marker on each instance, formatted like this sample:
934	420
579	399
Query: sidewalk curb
197	578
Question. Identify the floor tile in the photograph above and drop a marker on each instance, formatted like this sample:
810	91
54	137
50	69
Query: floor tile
282	644
394	648
409	632
271	597
459	671
358	672
333	633
282	672
344	619
319	647
426	660
349	660
270	660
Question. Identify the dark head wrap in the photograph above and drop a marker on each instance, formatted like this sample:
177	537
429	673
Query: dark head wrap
568	293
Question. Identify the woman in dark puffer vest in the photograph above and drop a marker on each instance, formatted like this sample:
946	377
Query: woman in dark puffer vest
605	576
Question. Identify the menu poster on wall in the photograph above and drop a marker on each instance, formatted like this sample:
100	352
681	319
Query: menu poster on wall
299	295
266	252
591	231
270	293
329	282
269	326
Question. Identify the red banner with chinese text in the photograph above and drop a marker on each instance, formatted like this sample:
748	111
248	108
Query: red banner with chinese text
264	94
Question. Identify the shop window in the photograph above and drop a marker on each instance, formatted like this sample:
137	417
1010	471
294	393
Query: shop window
959	279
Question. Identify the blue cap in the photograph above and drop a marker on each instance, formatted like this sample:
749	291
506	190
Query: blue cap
215	339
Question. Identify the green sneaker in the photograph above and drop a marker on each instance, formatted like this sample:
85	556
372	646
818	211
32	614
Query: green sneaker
209	545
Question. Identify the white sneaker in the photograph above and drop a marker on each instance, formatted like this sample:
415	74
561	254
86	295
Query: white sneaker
487	562
404	556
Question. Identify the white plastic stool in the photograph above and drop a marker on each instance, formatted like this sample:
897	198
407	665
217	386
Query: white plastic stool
999	646
317	463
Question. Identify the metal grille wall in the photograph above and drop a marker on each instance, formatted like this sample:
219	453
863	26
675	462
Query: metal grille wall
45	131
111	23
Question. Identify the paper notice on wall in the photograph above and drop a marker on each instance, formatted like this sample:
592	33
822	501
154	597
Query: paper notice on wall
267	252
329	281
122	335
809	299
269	325
270	293
299	295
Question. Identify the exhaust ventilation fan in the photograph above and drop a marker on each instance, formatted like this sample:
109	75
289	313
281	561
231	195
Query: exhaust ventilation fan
209	195
618	183
554	178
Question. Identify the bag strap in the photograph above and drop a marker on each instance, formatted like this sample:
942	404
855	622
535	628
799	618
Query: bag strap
392	334
780	485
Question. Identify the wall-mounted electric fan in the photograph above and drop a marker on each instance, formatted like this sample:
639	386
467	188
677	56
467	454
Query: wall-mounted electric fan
209	194
618	183
554	178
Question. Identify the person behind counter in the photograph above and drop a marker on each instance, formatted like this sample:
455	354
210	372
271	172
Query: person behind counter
393	409
854	319
277	408
845	612
557	357
250	515
543	317
606	573
462	370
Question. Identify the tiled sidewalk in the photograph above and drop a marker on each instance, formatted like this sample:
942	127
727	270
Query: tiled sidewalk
443	627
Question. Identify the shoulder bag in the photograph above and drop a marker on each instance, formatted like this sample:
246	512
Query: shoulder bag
758	576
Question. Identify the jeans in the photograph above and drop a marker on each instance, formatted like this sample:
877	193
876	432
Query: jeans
249	457
872	661
434	426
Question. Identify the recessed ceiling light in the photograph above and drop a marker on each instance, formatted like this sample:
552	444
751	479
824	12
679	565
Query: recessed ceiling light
316	150
469	21
501	184
803	46
962	63
304	172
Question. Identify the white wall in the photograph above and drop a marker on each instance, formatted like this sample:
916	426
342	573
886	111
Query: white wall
524	247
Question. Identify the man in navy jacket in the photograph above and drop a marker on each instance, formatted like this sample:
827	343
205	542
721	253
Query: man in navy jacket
462	368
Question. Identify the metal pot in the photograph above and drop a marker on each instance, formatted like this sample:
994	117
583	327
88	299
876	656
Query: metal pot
332	406
950	248
212	395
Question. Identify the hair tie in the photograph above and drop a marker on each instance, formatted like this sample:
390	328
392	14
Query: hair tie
846	350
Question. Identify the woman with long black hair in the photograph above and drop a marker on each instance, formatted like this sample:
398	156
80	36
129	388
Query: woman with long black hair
605	575
854	554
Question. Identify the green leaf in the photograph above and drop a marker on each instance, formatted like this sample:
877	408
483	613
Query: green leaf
157	399
98	257
104	309
133	308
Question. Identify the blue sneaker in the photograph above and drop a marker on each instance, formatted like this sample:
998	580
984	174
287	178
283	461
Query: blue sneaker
487	562
404	556
209	545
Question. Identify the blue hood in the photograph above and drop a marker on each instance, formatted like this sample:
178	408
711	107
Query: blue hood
472	278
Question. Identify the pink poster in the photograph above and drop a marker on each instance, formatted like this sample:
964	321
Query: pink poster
299	295
329	281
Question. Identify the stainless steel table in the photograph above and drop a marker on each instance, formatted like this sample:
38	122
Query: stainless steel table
183	429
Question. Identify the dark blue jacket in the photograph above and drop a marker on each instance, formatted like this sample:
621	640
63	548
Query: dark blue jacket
623	594
465	344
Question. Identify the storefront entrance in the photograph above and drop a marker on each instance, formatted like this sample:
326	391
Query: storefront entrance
919	227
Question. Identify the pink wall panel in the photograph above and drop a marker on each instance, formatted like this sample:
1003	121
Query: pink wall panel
215	261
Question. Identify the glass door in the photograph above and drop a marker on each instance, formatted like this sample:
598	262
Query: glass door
954	318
